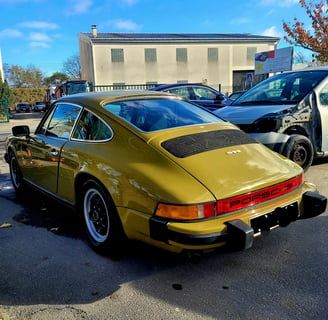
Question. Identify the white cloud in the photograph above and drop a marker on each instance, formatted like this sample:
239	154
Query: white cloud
19	1
127	25
240	21
34	44
10	33
272	32
36	36
129	2
279	3
78	7
39	25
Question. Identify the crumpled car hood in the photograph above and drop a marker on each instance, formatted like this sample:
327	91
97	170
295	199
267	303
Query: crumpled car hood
248	114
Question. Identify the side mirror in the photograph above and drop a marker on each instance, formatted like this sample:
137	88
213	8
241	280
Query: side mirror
21	131
219	97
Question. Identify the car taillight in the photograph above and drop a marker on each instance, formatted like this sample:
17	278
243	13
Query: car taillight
207	210
186	212
259	196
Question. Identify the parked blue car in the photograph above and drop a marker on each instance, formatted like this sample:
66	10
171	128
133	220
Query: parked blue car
198	93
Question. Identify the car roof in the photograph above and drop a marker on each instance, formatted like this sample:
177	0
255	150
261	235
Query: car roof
175	85
99	98
324	68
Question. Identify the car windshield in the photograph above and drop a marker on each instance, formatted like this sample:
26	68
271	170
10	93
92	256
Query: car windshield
158	114
285	88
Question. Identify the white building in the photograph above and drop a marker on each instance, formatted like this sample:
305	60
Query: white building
219	60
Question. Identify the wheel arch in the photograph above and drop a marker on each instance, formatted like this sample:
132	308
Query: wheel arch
80	180
297	130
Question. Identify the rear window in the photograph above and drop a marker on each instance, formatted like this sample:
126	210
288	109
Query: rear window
158	114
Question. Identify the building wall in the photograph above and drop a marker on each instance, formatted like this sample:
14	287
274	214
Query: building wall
86	59
135	70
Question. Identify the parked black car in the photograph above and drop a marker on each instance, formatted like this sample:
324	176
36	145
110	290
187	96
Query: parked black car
23	107
200	94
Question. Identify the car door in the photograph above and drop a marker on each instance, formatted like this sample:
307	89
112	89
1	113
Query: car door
46	144
323	109
207	98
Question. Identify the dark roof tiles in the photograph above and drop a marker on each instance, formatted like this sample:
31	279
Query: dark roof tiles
111	36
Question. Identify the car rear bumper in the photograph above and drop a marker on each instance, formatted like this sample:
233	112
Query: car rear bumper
238	234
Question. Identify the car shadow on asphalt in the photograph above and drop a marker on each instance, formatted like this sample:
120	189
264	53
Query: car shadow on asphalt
46	258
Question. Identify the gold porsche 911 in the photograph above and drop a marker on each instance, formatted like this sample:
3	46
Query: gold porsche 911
153	167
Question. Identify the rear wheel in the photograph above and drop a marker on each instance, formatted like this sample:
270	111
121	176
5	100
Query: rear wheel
300	150
102	223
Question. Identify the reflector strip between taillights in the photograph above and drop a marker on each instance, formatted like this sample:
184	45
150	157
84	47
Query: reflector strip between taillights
256	197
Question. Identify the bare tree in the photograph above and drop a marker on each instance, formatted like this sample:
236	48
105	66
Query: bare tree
72	67
299	57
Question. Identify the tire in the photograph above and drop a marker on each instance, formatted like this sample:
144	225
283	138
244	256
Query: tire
101	220
300	150
15	173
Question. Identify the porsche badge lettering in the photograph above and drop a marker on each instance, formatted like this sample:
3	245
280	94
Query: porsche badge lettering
233	152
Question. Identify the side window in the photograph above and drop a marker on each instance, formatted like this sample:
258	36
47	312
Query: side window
61	121
182	92
91	128
204	94
323	96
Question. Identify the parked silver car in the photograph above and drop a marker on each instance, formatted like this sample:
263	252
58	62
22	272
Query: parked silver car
287	112
39	106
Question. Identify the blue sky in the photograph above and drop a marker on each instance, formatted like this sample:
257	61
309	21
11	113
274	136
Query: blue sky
44	33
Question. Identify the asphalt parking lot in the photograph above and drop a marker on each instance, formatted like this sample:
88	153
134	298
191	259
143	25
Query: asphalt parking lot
48	271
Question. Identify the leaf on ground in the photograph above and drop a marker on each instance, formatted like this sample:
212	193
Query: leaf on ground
5	225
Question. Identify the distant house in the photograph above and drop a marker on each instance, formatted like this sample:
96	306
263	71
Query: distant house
219	60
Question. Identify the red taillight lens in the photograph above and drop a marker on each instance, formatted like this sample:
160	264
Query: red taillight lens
256	197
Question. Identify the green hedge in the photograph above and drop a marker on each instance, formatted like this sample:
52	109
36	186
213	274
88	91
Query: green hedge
30	95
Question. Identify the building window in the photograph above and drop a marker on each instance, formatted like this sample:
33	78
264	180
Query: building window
251	54
150	55
212	54
182	54
117	55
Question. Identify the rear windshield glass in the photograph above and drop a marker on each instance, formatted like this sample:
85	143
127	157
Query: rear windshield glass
285	88
158	114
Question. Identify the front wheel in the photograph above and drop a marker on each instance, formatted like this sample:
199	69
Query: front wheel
15	173
102	223
300	150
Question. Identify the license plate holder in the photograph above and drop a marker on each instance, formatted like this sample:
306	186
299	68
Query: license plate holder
280	217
